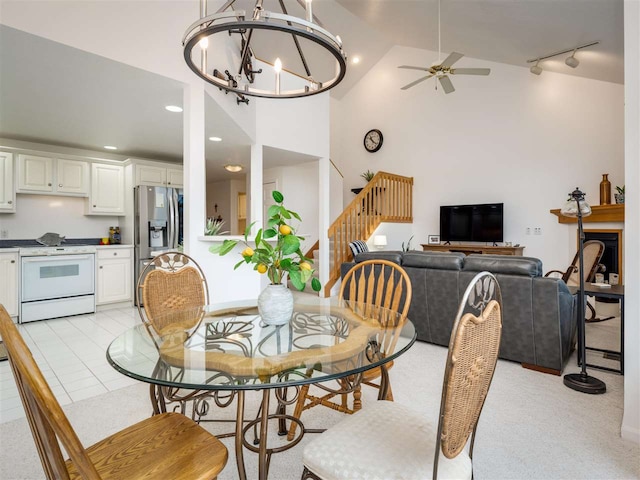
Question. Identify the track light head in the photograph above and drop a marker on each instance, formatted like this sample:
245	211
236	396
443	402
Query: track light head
535	69
572	61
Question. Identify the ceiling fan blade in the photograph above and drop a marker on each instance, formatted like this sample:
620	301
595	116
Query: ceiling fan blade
470	71
422	69
416	82
451	59
447	86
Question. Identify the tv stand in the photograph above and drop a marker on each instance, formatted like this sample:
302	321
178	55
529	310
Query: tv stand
468	249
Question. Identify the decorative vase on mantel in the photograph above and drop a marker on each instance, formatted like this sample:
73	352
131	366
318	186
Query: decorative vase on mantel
605	190
275	304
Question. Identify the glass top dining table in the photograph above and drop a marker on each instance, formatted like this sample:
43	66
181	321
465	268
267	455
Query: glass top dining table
231	349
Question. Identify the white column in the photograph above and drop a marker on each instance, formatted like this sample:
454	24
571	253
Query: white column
195	187
255	191
631	419
324	213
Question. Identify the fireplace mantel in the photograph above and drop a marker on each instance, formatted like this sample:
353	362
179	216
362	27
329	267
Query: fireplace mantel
599	213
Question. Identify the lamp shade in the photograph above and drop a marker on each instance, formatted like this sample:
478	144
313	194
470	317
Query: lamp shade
380	241
570	209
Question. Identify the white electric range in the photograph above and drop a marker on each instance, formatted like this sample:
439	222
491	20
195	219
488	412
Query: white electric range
57	281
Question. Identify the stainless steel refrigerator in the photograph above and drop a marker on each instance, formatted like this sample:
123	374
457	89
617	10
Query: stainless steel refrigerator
158	222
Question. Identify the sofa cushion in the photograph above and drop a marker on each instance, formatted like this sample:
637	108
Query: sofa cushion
526	266
435	260
392	256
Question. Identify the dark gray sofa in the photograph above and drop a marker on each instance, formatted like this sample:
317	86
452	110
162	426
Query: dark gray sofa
539	313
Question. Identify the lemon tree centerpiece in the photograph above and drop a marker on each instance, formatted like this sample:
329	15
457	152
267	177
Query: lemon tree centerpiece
275	251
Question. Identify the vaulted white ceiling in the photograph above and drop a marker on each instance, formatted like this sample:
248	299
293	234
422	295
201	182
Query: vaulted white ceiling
52	93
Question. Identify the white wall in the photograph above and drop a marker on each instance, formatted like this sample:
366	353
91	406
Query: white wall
631	419
219	195
511	137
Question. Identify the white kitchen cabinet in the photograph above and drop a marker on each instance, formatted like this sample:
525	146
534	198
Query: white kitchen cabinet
174	177
72	177
7	190
9	282
107	190
35	174
159	176
54	176
115	275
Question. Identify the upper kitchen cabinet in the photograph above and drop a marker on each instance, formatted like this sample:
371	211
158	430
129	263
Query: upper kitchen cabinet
35	174
52	176
158	176
7	192
72	177
107	190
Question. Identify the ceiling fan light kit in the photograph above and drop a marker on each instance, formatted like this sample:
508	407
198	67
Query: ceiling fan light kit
442	70
570	61
211	34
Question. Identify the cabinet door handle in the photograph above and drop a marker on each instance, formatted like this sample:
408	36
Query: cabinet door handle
48	184
100	267
10	202
115	253
13	261
94	206
60	185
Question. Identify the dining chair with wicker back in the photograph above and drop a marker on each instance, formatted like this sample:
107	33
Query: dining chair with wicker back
169	445
390	441
170	294
368	285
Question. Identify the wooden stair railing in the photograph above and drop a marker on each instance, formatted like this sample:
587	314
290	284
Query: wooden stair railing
386	198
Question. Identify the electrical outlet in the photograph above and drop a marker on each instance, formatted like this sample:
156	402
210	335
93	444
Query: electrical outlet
537	231
4	233
528	231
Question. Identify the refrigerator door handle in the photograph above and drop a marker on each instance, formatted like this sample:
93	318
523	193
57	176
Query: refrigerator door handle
176	217
172	214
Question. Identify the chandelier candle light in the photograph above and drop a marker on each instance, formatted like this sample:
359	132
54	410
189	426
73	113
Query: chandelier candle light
221	49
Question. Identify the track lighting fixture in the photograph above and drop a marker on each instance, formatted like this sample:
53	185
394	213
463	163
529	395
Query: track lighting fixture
571	61
535	69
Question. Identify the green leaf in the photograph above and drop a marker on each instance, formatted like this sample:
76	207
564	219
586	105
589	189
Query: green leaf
247	231
285	213
258	237
273	222
297	282
270	233
273	210
224	248
305	275
277	196
238	264
285	263
316	285
290	244
294	215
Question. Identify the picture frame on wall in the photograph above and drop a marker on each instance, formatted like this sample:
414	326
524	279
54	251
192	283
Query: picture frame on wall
434	240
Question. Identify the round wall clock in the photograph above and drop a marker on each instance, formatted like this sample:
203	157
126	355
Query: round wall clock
373	140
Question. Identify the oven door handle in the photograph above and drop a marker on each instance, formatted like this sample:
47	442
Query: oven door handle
49	258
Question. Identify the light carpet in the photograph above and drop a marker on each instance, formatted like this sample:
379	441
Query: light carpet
532	426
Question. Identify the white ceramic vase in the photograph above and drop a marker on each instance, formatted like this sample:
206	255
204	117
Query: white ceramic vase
275	304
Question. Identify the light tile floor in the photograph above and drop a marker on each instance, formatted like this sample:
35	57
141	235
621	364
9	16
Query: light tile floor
71	354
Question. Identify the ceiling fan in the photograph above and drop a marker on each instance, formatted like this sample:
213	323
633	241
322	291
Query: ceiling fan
442	69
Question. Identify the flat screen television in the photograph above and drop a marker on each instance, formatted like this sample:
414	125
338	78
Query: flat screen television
472	223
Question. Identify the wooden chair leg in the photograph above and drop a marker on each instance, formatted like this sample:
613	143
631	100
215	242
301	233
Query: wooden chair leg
357	399
389	393
302	396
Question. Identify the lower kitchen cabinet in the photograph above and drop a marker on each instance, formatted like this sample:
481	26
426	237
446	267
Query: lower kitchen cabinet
9	282
115	275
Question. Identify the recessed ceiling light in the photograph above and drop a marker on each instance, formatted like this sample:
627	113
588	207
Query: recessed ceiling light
110	147
233	168
215	139
355	60
173	108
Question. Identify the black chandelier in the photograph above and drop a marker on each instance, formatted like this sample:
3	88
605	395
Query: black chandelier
221	49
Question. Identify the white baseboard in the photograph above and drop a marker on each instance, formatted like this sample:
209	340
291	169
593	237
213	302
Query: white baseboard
631	434
111	306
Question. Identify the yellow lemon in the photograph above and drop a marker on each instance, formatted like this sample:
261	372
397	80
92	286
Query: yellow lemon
247	252
262	268
305	266
285	229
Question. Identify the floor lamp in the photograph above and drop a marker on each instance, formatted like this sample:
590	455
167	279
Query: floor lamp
582	382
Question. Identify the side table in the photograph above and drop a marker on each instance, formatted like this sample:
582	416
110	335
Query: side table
615	292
